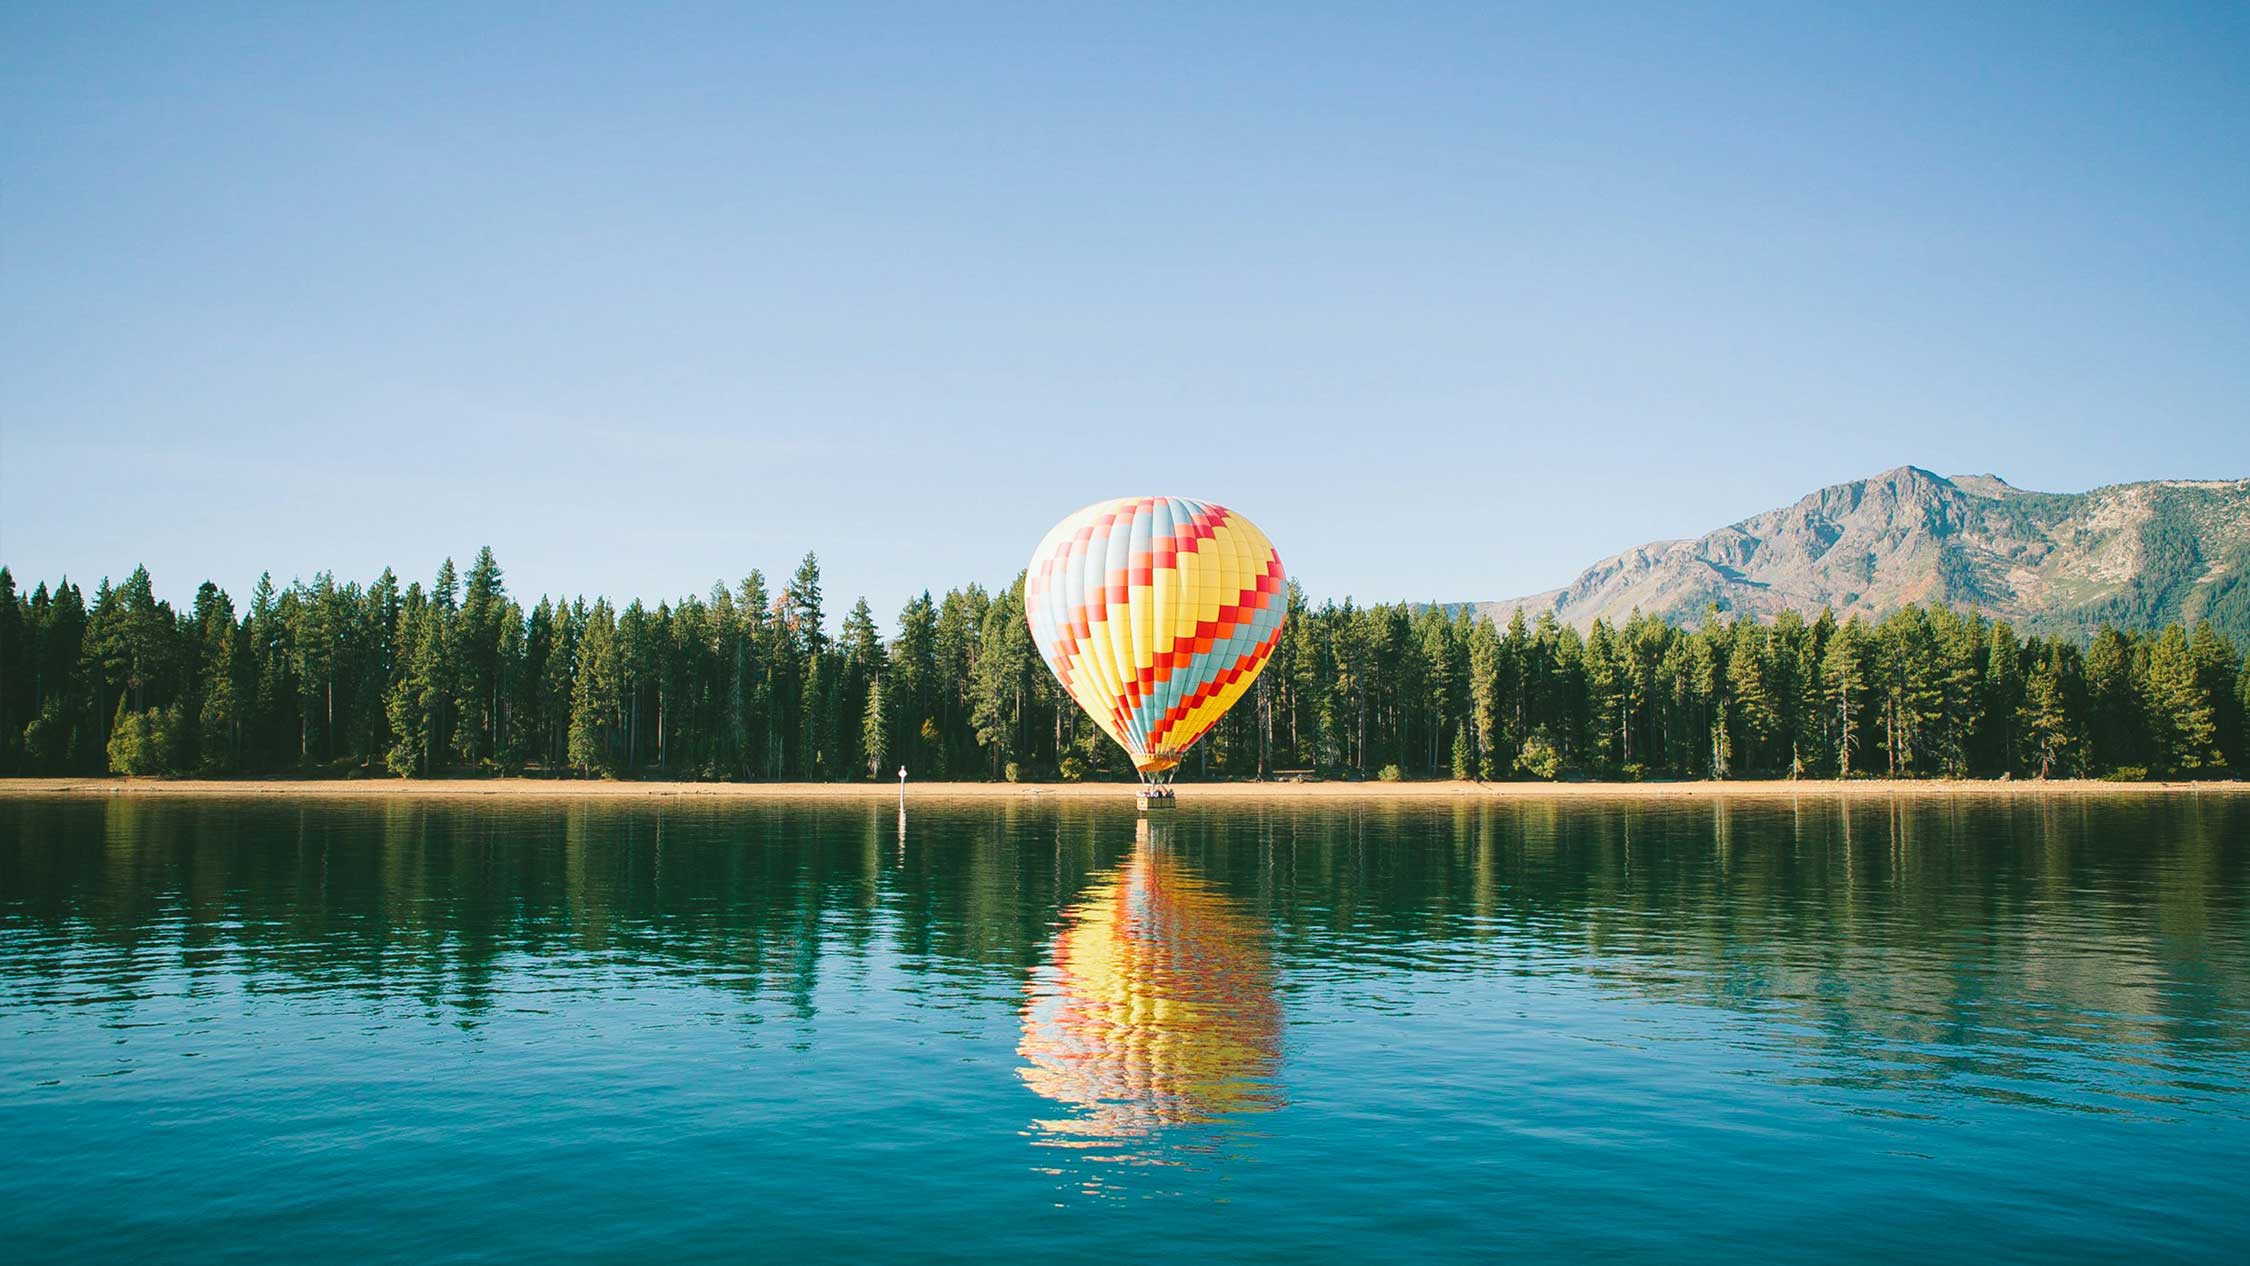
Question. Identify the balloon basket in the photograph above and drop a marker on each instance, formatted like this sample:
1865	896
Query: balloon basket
1154	800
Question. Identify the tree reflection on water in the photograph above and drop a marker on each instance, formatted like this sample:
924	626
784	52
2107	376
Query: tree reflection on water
2085	952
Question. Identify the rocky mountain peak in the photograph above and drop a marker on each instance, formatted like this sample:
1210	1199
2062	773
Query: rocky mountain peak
2130	554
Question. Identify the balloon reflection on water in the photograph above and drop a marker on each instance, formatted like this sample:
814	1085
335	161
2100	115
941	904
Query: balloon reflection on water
1157	1008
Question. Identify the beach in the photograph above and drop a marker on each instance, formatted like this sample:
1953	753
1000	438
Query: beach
1215	792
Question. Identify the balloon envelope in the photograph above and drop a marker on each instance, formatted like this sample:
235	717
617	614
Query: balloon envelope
1156	614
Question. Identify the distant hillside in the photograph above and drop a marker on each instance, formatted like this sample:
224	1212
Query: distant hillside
2130	554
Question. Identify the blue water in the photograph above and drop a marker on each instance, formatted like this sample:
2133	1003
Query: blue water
1914	1029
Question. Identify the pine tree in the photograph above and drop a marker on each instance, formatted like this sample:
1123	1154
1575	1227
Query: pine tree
129	642
2214	657
556	675
1304	676
1605	694
635	661
1711	688
875	729
1751	700
803	599
913	682
595	695
1642	647
16	710
2052	699
2002	704
2119	731
823	679
748	716
1809	750
1517	679
218	729
63	735
479	631
378	623
314	633
1907	677
959	629
996	690
408	702
861	650
512	690
1958	646
2242	703
1485	699
2183	723
1844	678
441	669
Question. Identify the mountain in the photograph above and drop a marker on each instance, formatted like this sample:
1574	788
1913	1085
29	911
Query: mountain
2134	555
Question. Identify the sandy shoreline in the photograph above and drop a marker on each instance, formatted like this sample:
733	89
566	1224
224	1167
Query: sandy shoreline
554	789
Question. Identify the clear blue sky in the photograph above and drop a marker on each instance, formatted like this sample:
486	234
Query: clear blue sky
1452	301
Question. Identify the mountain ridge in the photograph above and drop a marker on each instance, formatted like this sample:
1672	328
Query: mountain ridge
2131	554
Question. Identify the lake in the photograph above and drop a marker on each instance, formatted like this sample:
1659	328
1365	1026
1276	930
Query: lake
1922	1028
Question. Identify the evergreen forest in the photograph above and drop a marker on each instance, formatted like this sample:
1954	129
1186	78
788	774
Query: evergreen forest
755	682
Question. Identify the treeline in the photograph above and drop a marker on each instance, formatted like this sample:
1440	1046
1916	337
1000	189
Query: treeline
750	683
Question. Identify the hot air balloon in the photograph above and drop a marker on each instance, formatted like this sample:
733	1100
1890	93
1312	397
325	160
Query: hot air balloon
1156	614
